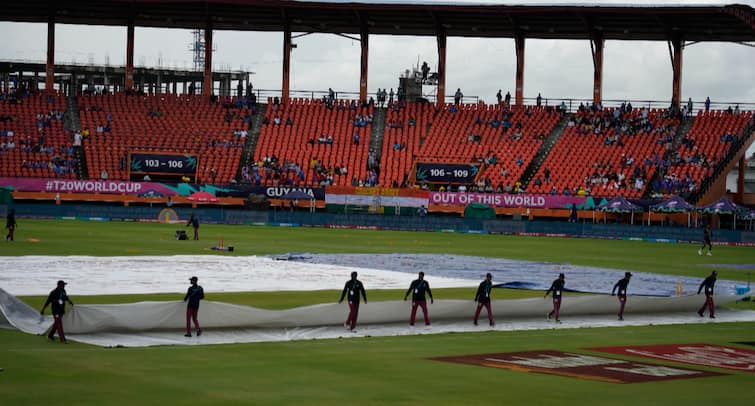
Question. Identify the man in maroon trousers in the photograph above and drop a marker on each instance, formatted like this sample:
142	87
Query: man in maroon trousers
708	284
57	298
354	287
557	287
418	288
482	297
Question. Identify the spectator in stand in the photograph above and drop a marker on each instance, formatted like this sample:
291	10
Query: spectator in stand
499	97
103	175
690	106
507	99
458	96
539	100
707	104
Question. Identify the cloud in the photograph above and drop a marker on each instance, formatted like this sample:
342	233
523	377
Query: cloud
557	69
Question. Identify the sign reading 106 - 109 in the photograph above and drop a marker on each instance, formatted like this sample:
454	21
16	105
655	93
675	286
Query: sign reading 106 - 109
163	163
446	173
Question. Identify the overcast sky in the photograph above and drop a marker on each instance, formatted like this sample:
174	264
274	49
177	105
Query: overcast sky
632	70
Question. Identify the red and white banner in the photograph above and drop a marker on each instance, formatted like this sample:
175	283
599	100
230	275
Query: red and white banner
505	200
736	359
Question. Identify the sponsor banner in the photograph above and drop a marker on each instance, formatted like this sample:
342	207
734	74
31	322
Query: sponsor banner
276	192
505	200
177	164
579	366
718	356
272	192
86	186
347	227
446	173
382	201
379	191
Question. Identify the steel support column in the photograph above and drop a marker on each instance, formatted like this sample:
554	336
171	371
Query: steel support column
519	90
440	34
364	37
596	44
285	86
676	65
207	81
50	68
129	82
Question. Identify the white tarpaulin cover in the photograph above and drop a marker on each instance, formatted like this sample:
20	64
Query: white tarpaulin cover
87	275
162	323
171	315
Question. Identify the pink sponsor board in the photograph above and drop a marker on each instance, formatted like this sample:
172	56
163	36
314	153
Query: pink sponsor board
505	200
85	186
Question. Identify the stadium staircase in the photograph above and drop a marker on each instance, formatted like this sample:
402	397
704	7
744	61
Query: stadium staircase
72	123
247	155
708	191
548	144
681	132
377	133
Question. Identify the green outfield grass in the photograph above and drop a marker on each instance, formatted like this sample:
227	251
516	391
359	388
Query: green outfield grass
119	238
371	370
386	370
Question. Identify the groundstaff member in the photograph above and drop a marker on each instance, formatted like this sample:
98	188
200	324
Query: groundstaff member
557	287
57	298
353	287
482	297
193	296
708	284
418	288
621	285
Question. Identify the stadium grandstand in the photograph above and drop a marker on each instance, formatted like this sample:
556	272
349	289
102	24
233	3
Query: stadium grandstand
55	125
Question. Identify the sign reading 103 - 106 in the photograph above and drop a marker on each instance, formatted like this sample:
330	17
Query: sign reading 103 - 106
152	163
446	173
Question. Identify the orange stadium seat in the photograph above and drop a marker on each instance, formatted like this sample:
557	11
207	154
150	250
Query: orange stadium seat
187	124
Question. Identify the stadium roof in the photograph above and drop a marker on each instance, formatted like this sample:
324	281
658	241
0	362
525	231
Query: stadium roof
556	21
